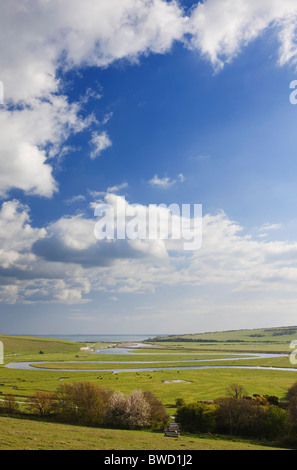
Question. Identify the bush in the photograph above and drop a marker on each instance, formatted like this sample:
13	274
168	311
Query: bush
158	416
238	416
274	424
83	402
272	400
41	403
253	418
179	402
128	412
9	404
196	417
292	391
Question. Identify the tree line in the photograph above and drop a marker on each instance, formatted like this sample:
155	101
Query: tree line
90	404
237	414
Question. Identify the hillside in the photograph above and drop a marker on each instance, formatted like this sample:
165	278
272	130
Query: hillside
26	434
275	335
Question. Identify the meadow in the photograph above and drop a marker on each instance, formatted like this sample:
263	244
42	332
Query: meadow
29	434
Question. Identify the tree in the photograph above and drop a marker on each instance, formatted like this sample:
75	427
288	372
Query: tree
41	402
196	417
179	402
84	402
129	412
158	416
237	415
240	416
137	410
292	391
9	404
274	422
115	413
292	410
236	390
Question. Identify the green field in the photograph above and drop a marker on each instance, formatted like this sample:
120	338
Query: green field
260	337
25	434
167	385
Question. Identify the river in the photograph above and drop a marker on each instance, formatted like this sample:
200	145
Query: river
29	365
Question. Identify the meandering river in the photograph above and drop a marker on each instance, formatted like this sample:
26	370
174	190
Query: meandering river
30	365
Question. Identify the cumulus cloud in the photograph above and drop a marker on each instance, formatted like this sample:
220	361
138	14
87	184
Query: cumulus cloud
31	136
40	38
58	35
65	261
219	29
99	142
70	33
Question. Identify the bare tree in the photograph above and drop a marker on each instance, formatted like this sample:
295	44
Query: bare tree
236	390
82	401
9	404
41	402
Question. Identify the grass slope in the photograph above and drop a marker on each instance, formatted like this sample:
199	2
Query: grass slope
25	434
265	339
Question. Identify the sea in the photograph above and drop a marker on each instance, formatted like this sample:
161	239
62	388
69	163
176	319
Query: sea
92	338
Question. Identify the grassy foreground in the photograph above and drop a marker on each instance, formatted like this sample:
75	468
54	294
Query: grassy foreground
25	434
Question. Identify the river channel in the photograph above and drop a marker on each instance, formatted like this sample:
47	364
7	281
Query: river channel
237	357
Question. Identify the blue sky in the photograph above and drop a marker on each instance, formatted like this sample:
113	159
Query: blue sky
103	101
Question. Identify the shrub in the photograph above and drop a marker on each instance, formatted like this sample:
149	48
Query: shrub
41	402
129	412
253	418
196	417
158	416
292	391
272	400
9	404
274	422
238	415
179	402
292	410
83	402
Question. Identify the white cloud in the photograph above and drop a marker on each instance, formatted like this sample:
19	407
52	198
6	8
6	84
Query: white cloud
31	136
17	235
73	199
89	33
221	28
65	262
116	188
99	142
165	182
40	37
269	227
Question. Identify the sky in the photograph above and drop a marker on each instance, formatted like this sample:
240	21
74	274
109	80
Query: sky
147	102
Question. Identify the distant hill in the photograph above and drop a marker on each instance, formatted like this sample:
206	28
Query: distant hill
283	334
20	345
